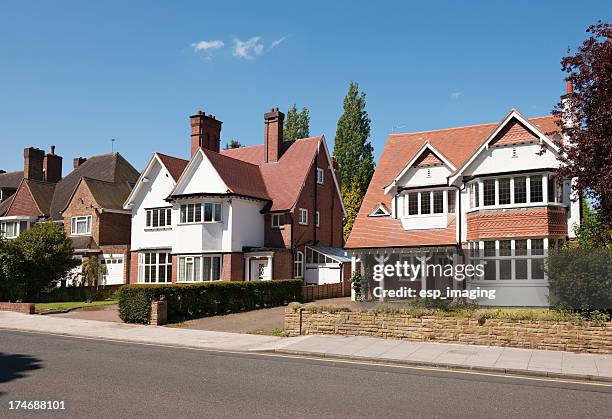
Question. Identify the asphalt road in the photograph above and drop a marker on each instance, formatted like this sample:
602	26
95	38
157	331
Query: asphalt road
111	379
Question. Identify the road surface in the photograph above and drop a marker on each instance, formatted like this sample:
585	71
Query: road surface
97	378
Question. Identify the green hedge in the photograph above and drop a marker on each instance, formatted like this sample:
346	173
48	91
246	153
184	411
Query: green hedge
189	301
580	279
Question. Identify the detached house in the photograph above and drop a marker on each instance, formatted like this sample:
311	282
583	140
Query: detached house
487	190
88	202
269	211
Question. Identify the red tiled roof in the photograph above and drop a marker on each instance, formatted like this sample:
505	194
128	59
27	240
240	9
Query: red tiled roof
456	144
174	165
284	179
241	177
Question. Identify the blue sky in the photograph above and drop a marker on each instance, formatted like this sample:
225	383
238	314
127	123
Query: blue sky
76	74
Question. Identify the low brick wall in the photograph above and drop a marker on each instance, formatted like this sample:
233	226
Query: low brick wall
321	292
25	308
532	334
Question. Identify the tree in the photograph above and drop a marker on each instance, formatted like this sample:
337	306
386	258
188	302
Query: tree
591	233
297	124
233	143
93	271
43	256
586	113
354	152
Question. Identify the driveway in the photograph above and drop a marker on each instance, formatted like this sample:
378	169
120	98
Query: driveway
257	321
104	314
263	321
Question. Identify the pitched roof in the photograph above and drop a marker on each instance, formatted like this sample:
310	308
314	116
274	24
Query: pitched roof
284	179
4	205
42	193
10	179
174	165
107	194
241	177
106	167
456	144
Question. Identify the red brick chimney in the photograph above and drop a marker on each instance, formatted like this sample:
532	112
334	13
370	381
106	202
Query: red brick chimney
33	163
205	132
273	134
569	88
52	166
77	162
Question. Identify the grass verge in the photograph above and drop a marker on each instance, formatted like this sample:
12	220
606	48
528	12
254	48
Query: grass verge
71	305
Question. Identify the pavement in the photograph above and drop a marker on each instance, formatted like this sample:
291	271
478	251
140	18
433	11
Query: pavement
554	364
107	379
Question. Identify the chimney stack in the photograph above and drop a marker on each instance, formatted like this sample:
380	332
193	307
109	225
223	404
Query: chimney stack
569	88
33	163
52	166
273	134
205	132
77	162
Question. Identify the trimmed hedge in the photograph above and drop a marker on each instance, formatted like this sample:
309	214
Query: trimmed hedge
580	279
190	301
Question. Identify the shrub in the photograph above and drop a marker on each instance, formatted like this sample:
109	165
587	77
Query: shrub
580	279
189	301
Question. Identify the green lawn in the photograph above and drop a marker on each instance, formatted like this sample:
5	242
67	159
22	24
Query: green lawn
71	305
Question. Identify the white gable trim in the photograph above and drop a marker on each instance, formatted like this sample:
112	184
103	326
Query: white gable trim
192	166
141	179
379	207
418	154
513	114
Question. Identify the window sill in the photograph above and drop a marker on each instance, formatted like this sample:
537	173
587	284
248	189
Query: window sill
517	206
278	228
80	235
303	224
157	228
200	222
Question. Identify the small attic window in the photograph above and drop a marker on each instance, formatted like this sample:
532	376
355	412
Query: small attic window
380	211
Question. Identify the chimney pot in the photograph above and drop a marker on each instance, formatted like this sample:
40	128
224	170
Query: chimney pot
569	87
78	161
52	150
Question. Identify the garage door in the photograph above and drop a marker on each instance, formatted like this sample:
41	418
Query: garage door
114	269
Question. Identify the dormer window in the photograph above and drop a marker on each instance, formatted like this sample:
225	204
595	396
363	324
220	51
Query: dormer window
380	211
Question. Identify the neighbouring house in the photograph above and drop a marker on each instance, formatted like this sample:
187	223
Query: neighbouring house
88	202
488	191
269	211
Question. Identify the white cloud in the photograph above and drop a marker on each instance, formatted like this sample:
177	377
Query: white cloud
277	42
455	95
208	45
248	49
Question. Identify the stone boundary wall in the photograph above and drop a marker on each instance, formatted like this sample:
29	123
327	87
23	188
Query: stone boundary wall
25	308
159	313
532	334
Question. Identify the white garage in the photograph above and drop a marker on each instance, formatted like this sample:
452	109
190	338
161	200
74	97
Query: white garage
324	265
114	264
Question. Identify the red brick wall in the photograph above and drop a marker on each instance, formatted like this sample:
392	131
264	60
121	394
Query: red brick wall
25	308
233	267
282	265
174	268
537	222
133	268
23	203
82	203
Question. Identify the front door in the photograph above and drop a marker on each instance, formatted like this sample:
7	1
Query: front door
260	271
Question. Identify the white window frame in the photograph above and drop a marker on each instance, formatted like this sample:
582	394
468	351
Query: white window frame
303	217
213	212
154	213
79	219
16	229
197	263
276	221
184	213
530	257
320	176
156	265
317	219
298	265
419	194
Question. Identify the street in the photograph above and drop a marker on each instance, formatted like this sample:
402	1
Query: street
112	379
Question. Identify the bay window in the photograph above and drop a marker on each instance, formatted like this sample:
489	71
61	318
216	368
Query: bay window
503	187
191	213
199	268
212	212
514	190
520	190
535	189
511	259
154	267
425	205
489	192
